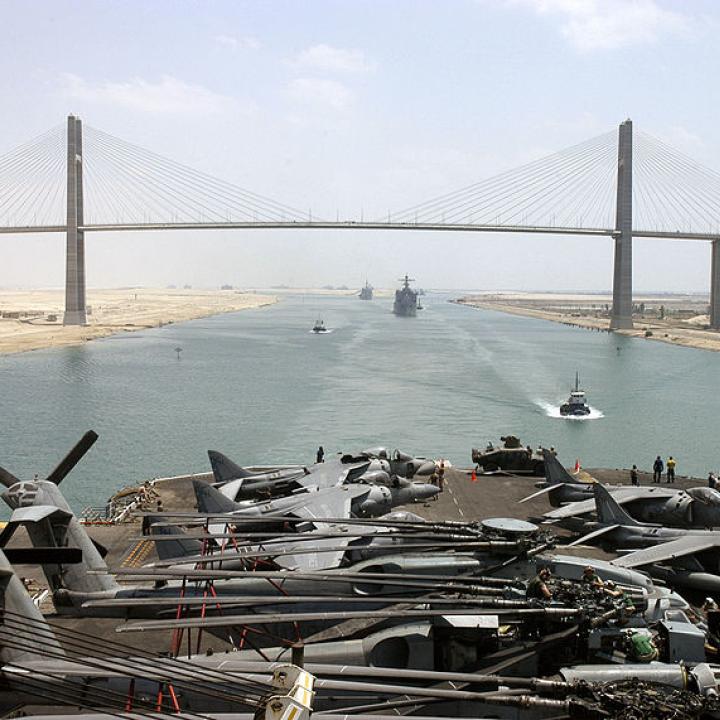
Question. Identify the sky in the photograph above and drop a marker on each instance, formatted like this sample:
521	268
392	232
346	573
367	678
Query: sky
350	108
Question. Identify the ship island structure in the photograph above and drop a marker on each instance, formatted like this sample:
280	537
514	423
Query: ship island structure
366	293
406	302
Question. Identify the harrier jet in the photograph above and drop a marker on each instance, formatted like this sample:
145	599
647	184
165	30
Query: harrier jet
692	508
374	465
681	557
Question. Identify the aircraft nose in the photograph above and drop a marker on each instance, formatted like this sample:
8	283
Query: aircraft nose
423	491
427	468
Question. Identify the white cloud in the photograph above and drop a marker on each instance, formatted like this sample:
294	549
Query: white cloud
325	58
234	42
168	95
321	93
606	24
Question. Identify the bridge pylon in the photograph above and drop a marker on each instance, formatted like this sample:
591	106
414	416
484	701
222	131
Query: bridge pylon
715	286
75	308
621	317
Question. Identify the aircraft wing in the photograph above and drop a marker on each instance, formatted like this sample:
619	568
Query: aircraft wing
547	489
331	503
621	496
334	502
305	561
683	546
594	534
573	509
329	474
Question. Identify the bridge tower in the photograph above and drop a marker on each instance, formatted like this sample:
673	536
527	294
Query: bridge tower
75	313
715	285
621	317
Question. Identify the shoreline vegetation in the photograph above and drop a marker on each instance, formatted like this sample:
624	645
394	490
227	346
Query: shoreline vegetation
674	319
32	319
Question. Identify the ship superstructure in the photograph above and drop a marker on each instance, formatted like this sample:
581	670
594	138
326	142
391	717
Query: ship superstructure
406	299
366	293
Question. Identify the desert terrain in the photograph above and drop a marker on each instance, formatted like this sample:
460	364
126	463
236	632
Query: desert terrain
676	319
32	319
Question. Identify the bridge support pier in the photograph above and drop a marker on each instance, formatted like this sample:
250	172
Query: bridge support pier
715	286
621	317
75	309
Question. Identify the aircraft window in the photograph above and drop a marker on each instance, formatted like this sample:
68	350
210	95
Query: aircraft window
712	496
709	496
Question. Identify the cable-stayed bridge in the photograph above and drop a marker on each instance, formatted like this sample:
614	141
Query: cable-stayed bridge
621	184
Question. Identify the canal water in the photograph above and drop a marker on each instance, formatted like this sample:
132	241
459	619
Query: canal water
258	386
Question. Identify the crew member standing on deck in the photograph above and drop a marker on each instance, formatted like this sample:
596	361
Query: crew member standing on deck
441	474
658	467
634	475
671	469
320	455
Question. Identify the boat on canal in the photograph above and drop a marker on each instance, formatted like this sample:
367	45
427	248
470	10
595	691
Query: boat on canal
576	405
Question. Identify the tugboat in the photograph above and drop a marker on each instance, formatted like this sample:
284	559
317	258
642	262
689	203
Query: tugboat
319	327
405	299
366	293
576	405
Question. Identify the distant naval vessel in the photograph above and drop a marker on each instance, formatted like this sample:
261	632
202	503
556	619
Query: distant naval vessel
366	293
405	299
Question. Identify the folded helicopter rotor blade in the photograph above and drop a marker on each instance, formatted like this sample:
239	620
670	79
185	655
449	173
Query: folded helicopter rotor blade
7	478
43	555
73	457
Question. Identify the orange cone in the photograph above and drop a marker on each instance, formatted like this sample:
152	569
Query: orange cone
473	476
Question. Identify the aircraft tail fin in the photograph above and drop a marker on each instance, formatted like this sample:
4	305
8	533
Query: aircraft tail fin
232	489
555	473
211	500
22	625
608	510
224	469
178	546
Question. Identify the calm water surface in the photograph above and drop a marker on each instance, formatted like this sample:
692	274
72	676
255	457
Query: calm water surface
261	388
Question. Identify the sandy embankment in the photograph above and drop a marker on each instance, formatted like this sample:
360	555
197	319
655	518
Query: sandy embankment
112	311
585	311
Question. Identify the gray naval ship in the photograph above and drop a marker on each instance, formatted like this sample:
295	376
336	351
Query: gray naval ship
366	293
406	299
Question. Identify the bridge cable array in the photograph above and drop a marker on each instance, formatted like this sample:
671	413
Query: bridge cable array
571	188
126	184
33	181
671	191
574	188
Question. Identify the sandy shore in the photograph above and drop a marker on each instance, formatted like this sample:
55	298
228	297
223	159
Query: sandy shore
112	311
684	324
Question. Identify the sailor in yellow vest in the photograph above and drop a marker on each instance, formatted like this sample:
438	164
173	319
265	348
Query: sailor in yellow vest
670	465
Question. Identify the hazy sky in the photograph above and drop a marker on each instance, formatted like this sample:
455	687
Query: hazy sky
356	107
